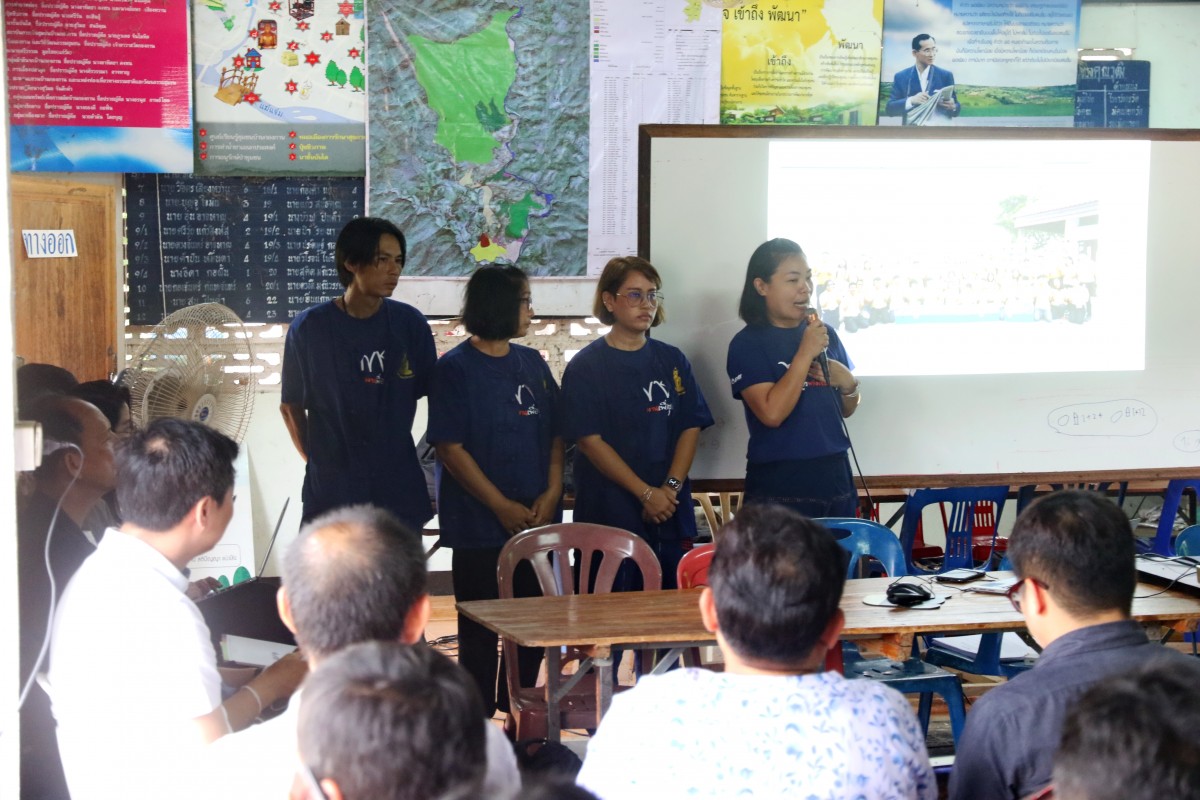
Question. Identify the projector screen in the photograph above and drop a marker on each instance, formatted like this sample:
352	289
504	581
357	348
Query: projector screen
1014	300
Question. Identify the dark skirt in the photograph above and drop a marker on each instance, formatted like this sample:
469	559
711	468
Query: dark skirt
815	487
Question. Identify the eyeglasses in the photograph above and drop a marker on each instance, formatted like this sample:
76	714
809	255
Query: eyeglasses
635	297
527	302
1014	592
928	50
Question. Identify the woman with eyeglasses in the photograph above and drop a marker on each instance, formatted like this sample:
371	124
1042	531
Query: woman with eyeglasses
494	419
794	409
633	408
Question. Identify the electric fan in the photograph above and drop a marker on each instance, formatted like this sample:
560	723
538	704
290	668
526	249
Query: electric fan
197	365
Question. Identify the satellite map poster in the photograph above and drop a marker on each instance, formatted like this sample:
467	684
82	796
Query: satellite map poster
98	86
979	62
280	87
479	133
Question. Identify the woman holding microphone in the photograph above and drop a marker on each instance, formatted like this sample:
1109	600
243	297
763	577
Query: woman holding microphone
793	375
633	407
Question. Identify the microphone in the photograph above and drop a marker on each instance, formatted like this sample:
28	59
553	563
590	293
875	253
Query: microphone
823	356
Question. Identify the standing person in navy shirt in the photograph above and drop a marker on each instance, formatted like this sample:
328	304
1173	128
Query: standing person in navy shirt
353	370
494	419
797	455
633	407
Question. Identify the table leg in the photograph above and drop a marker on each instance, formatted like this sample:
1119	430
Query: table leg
553	671
603	661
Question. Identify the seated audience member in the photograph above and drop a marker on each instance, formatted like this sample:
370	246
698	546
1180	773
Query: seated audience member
1073	552
36	380
774	724
133	676
113	402
390	721
1135	736
352	575
77	470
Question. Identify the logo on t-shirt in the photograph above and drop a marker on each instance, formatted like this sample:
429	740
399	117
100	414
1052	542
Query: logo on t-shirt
664	404
405	370
678	382
372	367
531	410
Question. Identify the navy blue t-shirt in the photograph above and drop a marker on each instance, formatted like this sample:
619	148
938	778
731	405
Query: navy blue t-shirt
359	380
762	354
639	403
505	412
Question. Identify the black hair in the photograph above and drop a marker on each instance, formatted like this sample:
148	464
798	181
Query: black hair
164	470
614	274
492	302
777	578
388	721
35	380
106	396
1133	737
551	787
351	576
358	244
56	414
1079	544
763	262
920	37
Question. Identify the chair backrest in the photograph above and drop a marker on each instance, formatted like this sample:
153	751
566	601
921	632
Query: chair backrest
727	504
1170	507
548	550
693	567
865	538
963	502
1187	543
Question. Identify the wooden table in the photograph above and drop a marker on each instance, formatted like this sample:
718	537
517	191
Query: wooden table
671	620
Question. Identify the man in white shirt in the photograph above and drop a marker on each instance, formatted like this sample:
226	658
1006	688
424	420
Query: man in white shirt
773	724
352	575
134	683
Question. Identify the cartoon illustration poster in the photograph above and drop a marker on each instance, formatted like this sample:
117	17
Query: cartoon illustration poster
98	86
979	62
801	62
280	87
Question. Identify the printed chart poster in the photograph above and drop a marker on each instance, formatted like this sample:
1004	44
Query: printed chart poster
479	133
280	87
98	86
652	62
979	62
801	62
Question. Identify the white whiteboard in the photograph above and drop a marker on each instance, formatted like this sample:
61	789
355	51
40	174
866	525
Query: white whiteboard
707	213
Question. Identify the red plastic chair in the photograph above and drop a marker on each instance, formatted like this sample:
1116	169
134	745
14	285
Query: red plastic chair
548	550
692	570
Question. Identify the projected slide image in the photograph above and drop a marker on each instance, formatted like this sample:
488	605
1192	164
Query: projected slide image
969	257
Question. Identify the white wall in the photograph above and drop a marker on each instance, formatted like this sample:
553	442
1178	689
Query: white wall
1165	34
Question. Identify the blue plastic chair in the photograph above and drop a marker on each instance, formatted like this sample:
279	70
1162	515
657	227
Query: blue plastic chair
1166	520
1187	543
960	523
867	539
864	538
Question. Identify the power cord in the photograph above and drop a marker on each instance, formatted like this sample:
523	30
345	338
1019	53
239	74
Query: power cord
27	685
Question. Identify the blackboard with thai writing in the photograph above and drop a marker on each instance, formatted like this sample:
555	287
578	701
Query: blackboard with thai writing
1113	94
262	246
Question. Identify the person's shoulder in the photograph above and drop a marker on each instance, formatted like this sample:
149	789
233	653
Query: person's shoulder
312	313
896	77
406	312
458	354
588	355
750	336
665	350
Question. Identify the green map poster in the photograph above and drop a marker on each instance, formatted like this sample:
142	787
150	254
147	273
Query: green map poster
478	133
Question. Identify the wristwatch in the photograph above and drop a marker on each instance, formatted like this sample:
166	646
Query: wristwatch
674	484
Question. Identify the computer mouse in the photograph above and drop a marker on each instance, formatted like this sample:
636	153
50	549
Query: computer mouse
908	593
